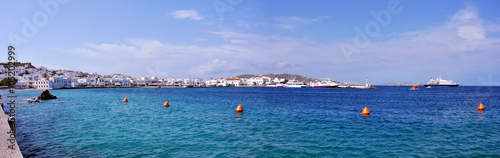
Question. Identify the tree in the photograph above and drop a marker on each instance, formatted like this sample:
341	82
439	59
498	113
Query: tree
44	75
5	81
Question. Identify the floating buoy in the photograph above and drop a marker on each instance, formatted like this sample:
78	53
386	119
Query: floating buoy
239	108
365	111
480	107
166	104
125	100
414	88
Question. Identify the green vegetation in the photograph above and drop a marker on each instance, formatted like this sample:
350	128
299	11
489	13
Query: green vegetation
83	75
5	82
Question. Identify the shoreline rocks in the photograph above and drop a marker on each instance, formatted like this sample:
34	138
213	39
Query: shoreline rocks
45	95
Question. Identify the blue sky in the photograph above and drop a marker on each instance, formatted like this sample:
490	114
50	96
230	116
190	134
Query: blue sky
387	41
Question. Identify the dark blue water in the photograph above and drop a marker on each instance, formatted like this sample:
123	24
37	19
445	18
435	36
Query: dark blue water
276	122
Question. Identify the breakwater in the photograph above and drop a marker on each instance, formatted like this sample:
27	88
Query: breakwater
8	144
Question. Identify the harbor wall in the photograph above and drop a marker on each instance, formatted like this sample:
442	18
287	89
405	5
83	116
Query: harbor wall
8	146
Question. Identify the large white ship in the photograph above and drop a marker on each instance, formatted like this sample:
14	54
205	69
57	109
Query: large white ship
324	84
439	82
294	84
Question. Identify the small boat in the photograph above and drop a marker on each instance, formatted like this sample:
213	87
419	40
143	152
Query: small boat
158	87
414	88
279	85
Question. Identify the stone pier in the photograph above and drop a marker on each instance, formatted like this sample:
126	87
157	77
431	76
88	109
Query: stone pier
7	148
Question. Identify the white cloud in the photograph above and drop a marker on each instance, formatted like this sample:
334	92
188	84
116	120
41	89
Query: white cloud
471	32
298	19
243	24
493	28
236	38
455	48
183	14
200	39
293	22
458	47
211	66
410	33
468	24
286	26
243	53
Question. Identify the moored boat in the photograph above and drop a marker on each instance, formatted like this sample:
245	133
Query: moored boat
328	84
294	84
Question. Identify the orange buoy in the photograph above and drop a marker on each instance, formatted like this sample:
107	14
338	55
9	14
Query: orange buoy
239	108
365	111
414	87
166	104
480	107
125	100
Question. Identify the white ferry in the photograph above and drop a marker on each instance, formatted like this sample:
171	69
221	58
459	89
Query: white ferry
294	84
327	84
439	82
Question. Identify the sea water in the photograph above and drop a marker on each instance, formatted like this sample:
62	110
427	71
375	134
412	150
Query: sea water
276	122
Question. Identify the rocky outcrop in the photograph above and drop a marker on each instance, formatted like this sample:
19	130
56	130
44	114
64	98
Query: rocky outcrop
33	101
45	95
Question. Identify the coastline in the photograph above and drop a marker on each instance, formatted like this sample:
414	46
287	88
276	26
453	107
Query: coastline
340	87
5	129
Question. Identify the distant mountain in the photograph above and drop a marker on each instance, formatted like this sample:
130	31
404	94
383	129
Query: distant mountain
403	84
280	76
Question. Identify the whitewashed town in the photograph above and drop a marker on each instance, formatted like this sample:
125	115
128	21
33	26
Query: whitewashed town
31	77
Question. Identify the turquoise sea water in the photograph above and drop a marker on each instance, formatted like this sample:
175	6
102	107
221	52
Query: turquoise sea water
276	122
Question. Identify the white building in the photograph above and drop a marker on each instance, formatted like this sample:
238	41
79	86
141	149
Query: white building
121	82
20	70
103	82
60	82
233	82
22	84
43	84
142	81
257	81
